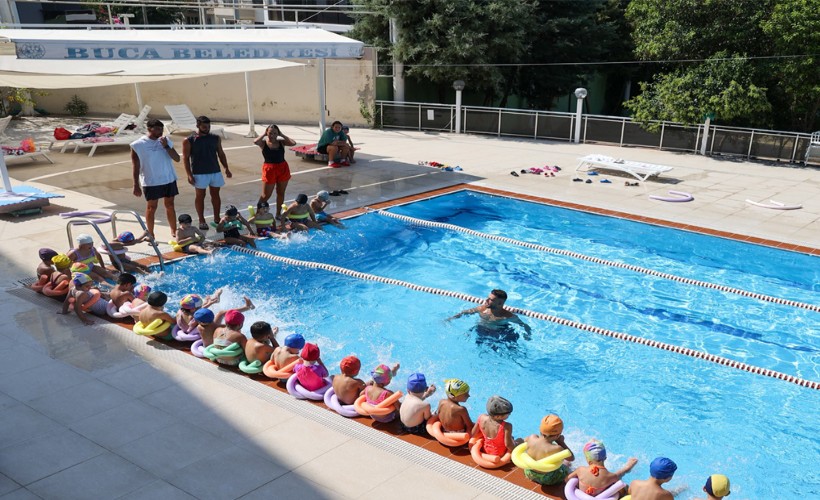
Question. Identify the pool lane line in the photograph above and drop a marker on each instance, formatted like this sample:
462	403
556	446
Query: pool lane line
597	260
811	384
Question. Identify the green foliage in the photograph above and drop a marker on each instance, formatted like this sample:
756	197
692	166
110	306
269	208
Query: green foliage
155	15
12	99
754	87
76	106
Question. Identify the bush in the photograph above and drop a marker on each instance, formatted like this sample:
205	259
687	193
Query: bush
76	106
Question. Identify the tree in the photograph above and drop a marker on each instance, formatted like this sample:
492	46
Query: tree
442	41
155	15
722	57
573	33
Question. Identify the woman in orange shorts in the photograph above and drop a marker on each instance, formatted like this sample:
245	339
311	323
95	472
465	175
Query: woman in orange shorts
275	170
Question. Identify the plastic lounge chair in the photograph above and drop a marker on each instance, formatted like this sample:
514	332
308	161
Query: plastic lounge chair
125	137
119	123
639	170
182	118
33	156
4	123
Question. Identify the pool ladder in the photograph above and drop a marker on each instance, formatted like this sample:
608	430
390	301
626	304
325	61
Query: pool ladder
113	219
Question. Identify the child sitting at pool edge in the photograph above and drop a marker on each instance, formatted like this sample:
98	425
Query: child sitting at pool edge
288	353
453	416
595	478
346	386
262	342
156	311
376	392
46	266
494	429
230	226
190	239
414	410
83	297
310	372
549	442
661	471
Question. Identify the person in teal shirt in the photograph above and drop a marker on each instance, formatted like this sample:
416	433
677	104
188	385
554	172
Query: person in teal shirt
332	143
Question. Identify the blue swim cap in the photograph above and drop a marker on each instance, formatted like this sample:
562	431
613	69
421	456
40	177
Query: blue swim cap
126	237
295	341
662	468
204	315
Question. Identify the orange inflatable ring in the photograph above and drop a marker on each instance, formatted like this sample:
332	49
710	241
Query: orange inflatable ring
58	290
488	461
272	370
95	296
451	439
380	410
38	287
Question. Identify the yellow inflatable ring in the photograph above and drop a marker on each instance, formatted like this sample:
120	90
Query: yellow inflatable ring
546	464
486	460
451	439
380	410
153	328
175	246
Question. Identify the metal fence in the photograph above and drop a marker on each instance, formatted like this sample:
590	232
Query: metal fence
621	131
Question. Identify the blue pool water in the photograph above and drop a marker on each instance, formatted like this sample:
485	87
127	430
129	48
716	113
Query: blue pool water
640	401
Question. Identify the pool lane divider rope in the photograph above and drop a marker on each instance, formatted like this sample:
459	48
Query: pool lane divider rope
537	315
621	265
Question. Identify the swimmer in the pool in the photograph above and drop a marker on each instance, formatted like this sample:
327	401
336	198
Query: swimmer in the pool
493	317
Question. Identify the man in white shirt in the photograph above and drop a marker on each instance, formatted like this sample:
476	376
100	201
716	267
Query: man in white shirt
154	174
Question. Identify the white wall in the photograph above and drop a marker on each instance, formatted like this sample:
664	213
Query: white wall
289	95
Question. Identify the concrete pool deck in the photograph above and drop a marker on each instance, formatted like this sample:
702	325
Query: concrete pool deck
99	412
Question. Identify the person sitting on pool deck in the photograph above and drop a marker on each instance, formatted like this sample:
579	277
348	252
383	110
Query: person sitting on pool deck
46	266
494	319
333	142
156	310
453	416
84	298
310	371
208	322
346	386
190	239
716	487
126	239
414	410
596	478
299	215
230	226
376	392
262	342
493	428
225	336
661	471
549	442
287	354
318	204
85	253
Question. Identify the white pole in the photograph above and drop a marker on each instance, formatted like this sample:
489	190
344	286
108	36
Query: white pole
705	135
249	97
320	64
578	112
5	173
139	98
398	66
458	111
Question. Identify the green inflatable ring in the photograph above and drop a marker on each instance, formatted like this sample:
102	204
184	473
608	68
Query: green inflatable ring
251	368
213	351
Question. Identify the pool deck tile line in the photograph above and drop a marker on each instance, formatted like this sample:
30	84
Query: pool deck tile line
593	210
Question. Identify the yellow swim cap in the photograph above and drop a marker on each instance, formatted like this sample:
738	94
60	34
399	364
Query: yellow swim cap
455	387
61	261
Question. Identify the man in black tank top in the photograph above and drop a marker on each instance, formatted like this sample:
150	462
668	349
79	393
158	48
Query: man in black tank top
201	154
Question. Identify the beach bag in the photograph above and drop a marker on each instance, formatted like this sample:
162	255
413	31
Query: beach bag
61	134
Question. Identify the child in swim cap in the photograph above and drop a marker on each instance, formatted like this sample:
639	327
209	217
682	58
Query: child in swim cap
346	386
230	225
414	410
310	370
661	471
85	253
453	416
84	298
595	478
548	442
46	266
318	204
189	305
288	352
493	428
377	392
118	245
716	487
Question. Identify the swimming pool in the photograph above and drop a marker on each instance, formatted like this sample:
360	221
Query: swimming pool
640	401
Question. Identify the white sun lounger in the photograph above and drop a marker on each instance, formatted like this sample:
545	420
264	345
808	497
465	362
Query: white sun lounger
121	138
639	170
4	123
182	118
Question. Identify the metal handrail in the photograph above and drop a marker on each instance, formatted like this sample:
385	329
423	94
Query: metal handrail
113	220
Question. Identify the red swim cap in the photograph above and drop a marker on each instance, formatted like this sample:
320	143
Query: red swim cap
350	366
234	318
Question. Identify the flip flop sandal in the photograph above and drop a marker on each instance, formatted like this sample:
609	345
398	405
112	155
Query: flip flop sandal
592	172
204	226
514	173
589	181
335	193
523	171
606	181
577	180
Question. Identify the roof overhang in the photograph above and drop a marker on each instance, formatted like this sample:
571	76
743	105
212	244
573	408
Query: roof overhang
181	45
